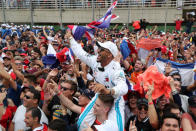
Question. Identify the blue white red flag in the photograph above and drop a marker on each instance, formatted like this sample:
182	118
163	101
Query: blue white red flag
183	69
104	22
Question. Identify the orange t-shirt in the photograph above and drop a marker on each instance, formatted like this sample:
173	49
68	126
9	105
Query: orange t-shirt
134	76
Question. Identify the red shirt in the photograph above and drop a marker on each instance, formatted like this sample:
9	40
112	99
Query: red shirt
178	24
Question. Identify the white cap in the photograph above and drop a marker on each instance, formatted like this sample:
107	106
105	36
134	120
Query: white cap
3	25
110	46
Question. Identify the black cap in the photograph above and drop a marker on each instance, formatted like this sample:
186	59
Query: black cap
192	101
142	101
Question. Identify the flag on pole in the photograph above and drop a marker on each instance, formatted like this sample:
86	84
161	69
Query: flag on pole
185	70
88	30
127	48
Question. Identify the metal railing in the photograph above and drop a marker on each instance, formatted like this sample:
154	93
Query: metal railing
51	4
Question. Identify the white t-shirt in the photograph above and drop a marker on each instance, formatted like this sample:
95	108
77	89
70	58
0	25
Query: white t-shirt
19	117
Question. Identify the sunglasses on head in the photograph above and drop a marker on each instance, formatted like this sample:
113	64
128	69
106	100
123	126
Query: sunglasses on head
27	97
143	107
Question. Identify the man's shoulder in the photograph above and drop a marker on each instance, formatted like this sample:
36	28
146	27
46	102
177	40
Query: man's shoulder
21	108
115	65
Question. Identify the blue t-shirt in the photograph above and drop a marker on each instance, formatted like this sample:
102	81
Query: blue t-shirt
14	95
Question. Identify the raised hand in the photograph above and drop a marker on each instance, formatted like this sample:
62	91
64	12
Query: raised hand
99	88
168	68
132	126
150	89
53	73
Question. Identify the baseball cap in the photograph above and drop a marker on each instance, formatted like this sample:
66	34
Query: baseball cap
110	46
87	92
6	56
142	101
192	101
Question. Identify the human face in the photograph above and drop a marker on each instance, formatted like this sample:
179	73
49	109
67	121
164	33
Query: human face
28	100
83	100
142	112
177	85
28	119
98	107
102	55
26	83
176	112
66	89
133	101
7	61
138	66
170	124
18	65
162	102
34	55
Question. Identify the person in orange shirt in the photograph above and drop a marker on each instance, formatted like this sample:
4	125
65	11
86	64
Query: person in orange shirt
138	69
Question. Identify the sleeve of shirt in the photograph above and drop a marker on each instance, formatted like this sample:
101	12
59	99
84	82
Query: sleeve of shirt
119	81
88	59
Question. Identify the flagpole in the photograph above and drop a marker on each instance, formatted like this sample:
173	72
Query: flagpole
128	15
61	25
166	12
93	7
4	16
31	10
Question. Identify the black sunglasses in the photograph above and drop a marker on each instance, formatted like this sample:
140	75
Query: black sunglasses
143	107
64	88
27	97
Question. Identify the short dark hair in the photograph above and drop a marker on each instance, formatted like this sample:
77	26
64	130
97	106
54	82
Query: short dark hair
36	94
30	77
72	83
108	100
35	112
57	124
168	107
170	115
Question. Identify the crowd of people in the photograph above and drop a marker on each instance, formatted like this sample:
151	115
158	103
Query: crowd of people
88	85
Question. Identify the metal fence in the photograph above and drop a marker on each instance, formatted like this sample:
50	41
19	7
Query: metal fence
51	4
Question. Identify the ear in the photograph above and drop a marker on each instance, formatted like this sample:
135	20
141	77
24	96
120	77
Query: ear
106	109
35	119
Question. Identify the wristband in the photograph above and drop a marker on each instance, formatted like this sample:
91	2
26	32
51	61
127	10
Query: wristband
150	103
59	93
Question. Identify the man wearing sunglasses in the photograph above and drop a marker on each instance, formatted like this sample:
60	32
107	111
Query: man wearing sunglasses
55	109
175	84
110	79
141	118
31	99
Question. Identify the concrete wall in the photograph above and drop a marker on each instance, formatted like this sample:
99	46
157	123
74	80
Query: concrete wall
153	15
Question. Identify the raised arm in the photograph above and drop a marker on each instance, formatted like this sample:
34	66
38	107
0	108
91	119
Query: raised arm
4	74
152	114
88	59
65	101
